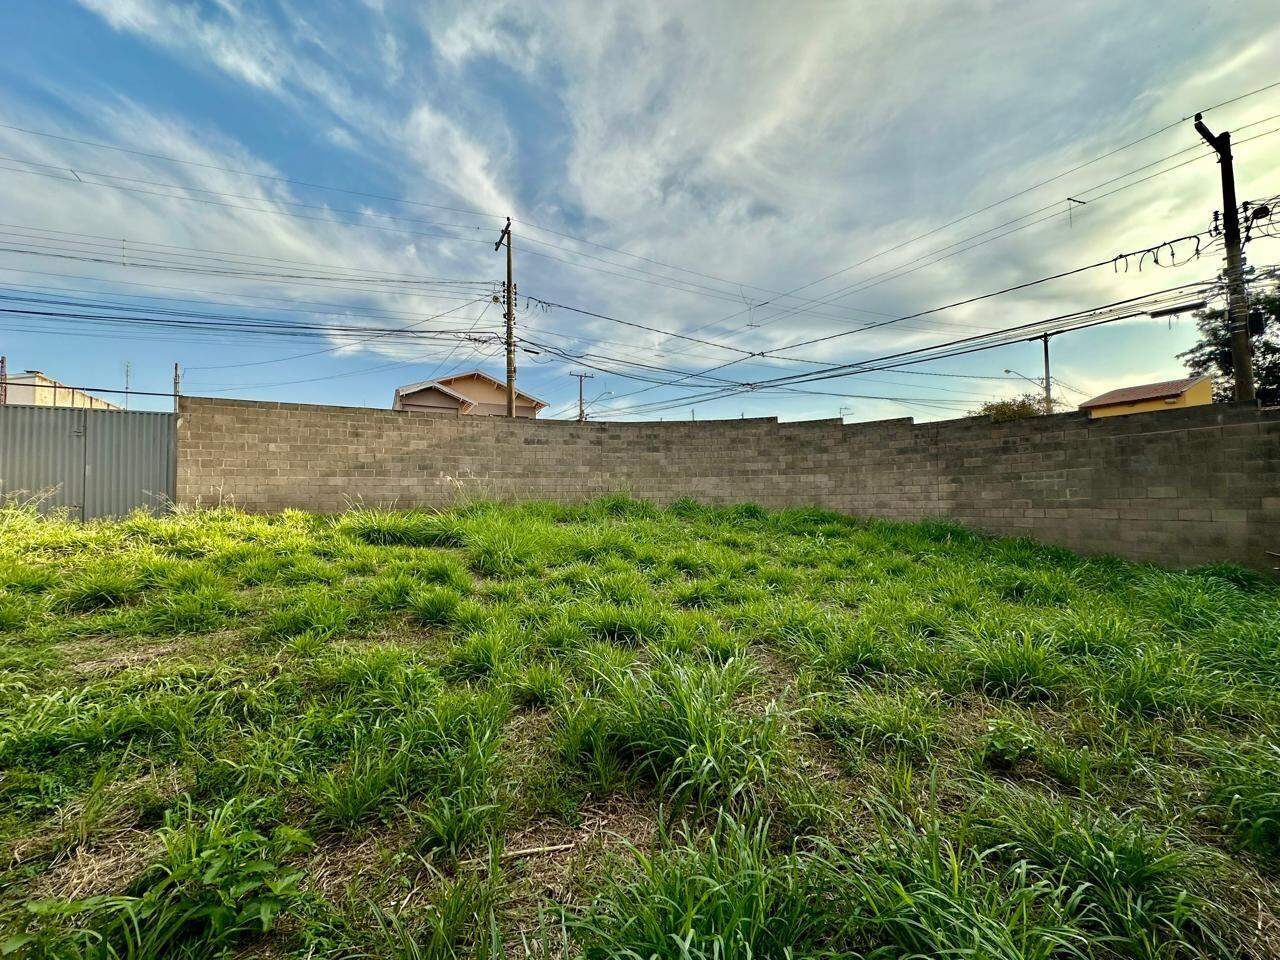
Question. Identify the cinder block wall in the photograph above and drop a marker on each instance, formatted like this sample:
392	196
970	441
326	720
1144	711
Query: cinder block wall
1178	487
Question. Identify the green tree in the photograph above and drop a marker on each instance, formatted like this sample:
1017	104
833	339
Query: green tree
1211	354
1014	408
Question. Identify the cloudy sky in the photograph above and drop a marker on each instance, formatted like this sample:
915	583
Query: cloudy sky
747	175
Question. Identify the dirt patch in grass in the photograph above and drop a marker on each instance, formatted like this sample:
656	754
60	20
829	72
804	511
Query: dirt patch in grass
95	660
104	866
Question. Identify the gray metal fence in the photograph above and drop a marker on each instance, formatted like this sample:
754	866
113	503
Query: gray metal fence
93	463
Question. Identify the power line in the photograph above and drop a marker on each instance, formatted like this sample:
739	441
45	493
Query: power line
1019	193
958	347
491	215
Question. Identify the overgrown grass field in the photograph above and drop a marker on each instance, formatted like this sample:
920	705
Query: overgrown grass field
615	730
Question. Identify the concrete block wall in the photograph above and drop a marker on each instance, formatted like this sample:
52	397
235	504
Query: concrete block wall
1177	487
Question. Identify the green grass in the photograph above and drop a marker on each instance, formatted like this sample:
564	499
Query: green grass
619	730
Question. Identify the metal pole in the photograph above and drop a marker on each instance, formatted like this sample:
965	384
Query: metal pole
4	380
582	377
511	331
126	384
177	386
1048	390
1237	299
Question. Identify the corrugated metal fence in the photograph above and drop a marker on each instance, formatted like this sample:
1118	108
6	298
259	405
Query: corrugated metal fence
94	463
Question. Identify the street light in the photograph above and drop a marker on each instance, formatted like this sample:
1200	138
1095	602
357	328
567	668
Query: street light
590	403
1036	380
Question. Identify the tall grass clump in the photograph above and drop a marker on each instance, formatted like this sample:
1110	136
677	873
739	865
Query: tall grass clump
411	528
678	725
1136	889
1246	792
727	897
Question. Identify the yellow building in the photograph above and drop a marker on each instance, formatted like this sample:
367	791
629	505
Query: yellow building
1191	392
474	393
33	388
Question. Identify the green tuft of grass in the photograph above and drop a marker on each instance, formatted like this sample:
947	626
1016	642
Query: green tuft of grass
908	721
1135	889
403	528
103	584
1246	793
435	606
220	880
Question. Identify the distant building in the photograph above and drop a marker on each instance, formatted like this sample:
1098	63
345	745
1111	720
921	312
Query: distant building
1191	392
474	393
33	388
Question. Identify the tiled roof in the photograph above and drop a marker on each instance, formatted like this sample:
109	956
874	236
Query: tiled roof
1166	389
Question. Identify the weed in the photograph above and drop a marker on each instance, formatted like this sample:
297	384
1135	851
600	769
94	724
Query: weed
220	879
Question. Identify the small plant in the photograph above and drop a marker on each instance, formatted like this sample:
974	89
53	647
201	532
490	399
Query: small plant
313	610
409	528
491	651
727	897
458	923
1016	666
98	586
1007	743
220	879
539	684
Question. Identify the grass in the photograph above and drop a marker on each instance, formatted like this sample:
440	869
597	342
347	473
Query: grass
619	730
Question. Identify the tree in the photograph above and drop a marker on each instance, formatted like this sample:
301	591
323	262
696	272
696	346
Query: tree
1013	408
1211	355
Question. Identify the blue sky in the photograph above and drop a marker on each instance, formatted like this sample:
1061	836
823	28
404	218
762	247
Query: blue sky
706	156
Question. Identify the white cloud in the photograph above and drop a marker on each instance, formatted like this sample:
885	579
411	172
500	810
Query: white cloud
768	144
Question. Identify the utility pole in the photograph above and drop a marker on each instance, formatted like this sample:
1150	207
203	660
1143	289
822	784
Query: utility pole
582	410
177	386
1048	390
1237	301
511	322
127	366
4	380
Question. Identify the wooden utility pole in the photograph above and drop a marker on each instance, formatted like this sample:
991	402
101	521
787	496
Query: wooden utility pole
511	322
582	410
1048	390
1237	299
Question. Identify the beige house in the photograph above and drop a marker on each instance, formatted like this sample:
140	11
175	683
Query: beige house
475	393
1191	392
33	388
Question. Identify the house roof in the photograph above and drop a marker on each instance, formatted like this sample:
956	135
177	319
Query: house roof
434	384
442	386
1165	390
